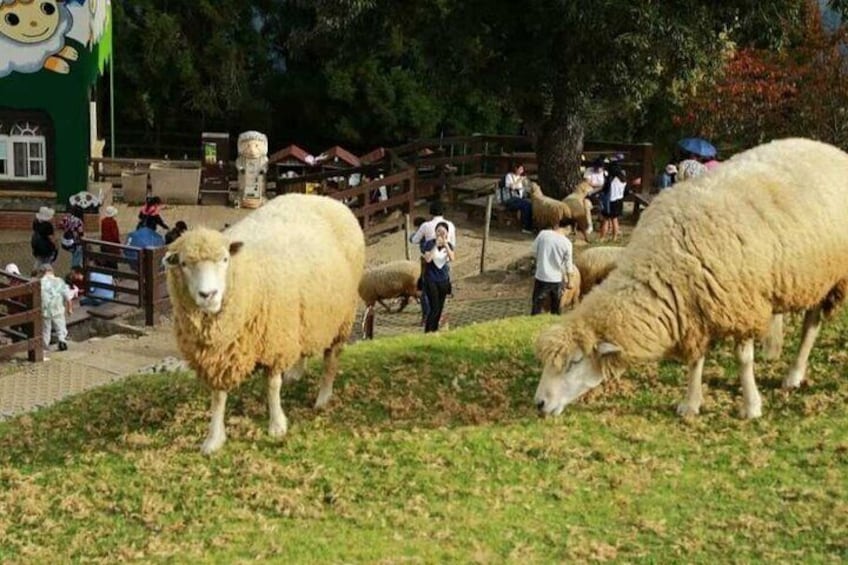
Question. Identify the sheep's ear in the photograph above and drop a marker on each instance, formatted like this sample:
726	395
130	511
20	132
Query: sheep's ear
171	259
235	246
607	348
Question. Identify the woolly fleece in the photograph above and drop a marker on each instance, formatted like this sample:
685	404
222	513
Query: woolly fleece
390	280
291	289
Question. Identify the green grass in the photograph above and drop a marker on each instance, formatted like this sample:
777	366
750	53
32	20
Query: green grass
431	452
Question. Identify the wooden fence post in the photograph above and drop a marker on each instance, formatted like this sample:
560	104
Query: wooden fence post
406	230
36	354
149	286
489	201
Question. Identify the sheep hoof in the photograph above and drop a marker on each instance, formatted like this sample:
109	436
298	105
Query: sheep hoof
278	428
752	412
213	444
323	398
794	378
686	410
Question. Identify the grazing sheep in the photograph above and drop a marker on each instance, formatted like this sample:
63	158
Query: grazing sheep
547	212
596	263
396	279
713	259
275	288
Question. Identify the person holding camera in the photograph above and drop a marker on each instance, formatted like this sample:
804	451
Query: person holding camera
438	253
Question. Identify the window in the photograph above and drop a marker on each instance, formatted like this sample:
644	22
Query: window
27	149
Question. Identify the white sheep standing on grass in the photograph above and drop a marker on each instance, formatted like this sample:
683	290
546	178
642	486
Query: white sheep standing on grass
712	259
273	289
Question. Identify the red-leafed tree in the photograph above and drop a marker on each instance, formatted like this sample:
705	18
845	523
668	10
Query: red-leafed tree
801	90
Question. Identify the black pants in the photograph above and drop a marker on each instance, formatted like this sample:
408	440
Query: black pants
543	290
436	293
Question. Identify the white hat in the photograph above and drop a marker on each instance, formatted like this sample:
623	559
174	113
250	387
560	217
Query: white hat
110	212
12	268
44	214
671	169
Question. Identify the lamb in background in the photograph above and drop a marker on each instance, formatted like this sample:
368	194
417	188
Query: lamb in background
713	259
548	211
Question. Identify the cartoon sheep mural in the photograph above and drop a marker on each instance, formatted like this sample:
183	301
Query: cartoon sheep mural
32	36
714	259
273	289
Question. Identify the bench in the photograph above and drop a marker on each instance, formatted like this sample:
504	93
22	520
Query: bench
475	209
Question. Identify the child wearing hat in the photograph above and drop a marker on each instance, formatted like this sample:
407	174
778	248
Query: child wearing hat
56	297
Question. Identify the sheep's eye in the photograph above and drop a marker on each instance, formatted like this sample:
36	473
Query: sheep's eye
12	19
183	264
226	259
48	9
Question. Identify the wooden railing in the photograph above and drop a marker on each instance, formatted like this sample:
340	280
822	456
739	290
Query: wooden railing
138	276
434	162
375	216
20	317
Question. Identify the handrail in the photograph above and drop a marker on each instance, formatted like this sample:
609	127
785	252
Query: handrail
21	319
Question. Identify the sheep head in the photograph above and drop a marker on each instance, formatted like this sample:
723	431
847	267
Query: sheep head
573	364
201	258
535	190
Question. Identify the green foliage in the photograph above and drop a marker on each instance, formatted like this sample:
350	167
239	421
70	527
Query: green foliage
431	451
187	65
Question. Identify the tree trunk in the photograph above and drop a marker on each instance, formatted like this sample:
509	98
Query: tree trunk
559	145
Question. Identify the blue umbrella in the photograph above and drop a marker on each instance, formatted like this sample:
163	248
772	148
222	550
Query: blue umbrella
698	146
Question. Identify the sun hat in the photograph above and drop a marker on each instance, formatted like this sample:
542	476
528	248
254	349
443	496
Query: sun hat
12	268
110	212
44	214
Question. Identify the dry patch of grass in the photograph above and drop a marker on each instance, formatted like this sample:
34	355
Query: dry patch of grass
431	451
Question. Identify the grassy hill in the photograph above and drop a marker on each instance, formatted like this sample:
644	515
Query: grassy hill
431	451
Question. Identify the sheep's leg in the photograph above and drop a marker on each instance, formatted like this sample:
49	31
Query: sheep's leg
217	434
691	405
331	366
384	305
773	340
812	324
753	404
277	423
296	371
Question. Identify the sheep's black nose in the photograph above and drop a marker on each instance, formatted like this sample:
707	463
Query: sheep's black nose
540	404
208	294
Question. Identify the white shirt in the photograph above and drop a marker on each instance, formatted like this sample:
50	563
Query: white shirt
595	178
553	256
427	231
516	184
617	187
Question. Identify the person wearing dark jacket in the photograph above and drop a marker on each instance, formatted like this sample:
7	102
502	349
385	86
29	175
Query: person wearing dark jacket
149	216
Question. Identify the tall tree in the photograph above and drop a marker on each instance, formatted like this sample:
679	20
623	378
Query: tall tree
562	67
183	66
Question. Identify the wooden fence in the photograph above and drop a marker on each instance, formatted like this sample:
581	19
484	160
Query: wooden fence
137	275
375	216
20	317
